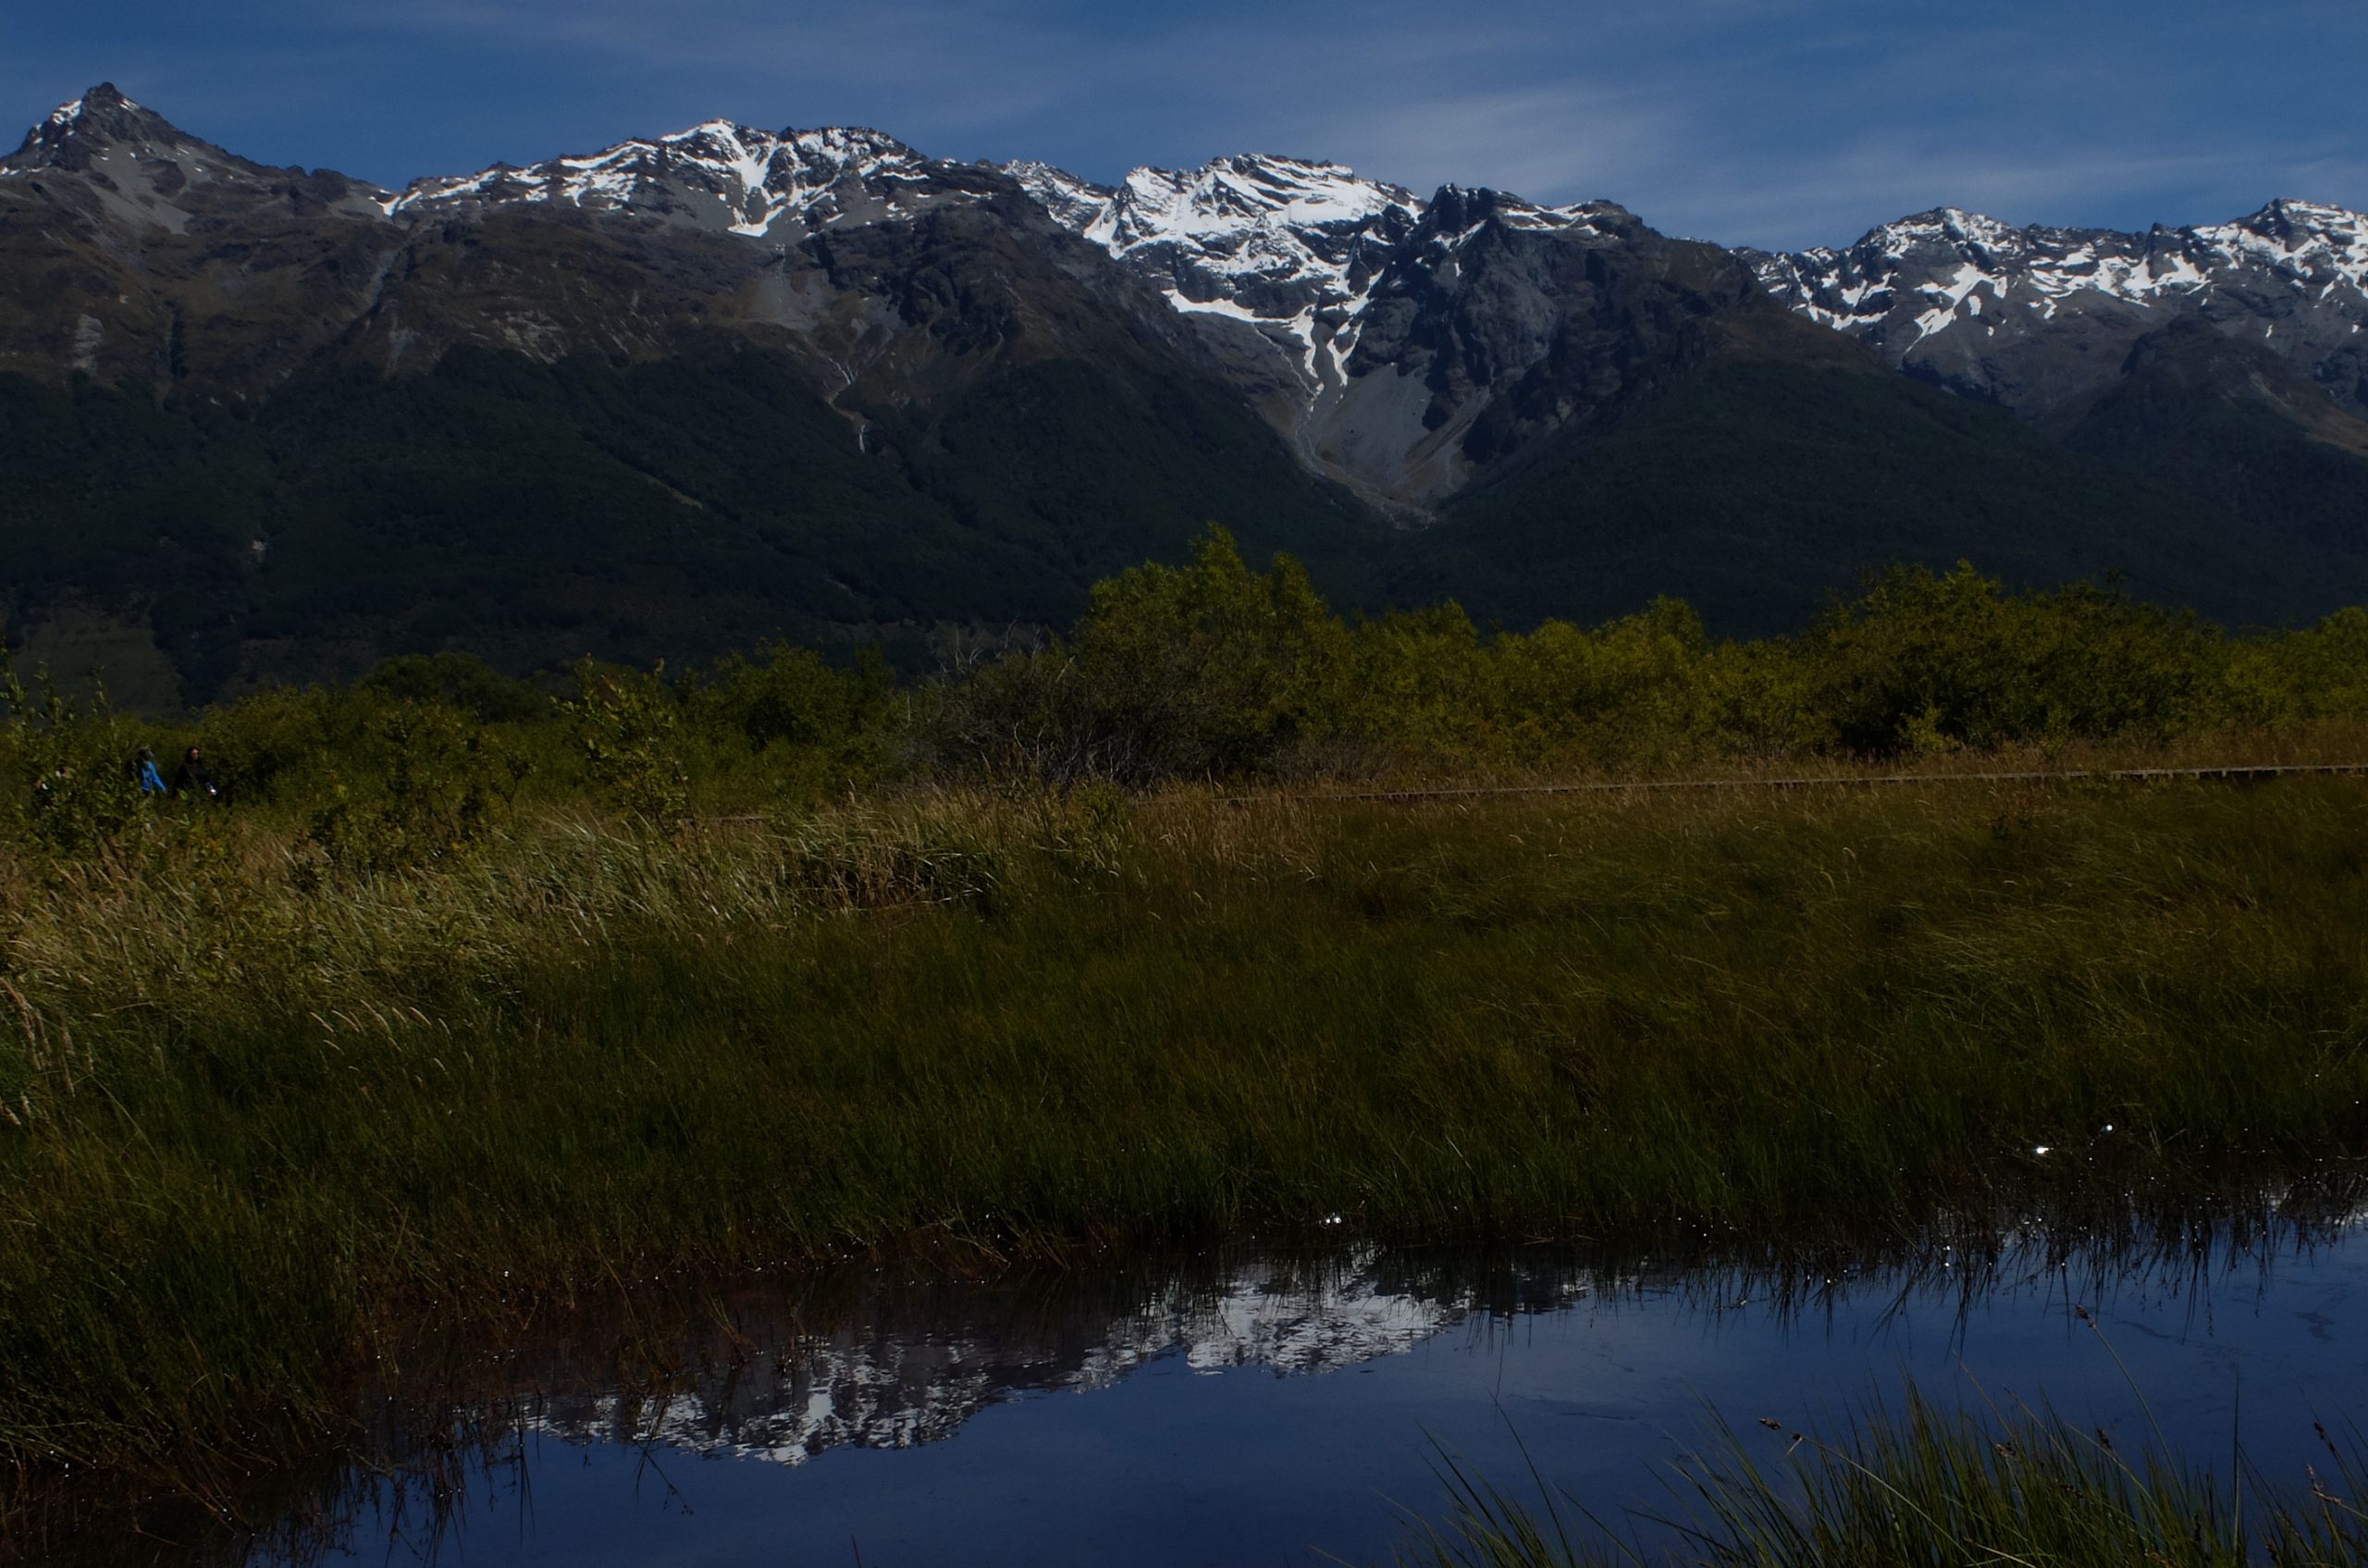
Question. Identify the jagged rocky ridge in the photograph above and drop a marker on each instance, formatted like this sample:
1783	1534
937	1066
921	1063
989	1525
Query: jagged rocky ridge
2032	317
1341	308
813	383
765	185
1295	248
1304	279
1297	275
1345	305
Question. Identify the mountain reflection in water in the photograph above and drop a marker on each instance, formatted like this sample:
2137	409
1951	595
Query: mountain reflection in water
1606	1371
918	1360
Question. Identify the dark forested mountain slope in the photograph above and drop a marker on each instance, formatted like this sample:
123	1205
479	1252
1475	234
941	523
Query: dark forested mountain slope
2245	432
1756	487
679	507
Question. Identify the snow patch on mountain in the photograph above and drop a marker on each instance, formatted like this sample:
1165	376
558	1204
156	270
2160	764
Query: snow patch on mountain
1905	281
70	114
1291	246
77	128
131	166
719	175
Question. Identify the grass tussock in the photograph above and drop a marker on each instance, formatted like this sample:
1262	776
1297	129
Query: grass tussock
1930	1485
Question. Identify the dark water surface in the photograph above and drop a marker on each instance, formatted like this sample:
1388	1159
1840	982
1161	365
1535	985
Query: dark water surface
1259	1411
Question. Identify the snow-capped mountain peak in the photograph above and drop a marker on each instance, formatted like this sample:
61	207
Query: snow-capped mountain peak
1957	226
138	168
1212	205
1073	202
1289	245
1974	290
718	174
1247	216
1293	247
102	103
2309	241
77	131
2305	242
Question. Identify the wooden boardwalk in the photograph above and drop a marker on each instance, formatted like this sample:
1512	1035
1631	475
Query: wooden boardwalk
2228	774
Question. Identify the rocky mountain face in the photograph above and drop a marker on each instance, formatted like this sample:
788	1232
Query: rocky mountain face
696	389
2242	427
720	178
1397	343
1400	343
2033	318
134	249
179	262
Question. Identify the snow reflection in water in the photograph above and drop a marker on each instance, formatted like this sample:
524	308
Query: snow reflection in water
1258	1411
928	1357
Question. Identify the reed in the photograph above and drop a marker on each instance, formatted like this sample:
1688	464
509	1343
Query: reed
1930	1485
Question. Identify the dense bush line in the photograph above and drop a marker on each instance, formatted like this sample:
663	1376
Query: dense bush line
1211	671
1215	670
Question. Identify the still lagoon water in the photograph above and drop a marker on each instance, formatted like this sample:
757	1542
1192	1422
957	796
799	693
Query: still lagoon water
1252	1410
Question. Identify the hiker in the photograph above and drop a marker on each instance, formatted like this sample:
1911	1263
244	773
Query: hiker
191	778
144	774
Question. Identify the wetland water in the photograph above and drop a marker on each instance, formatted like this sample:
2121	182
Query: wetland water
1251	1411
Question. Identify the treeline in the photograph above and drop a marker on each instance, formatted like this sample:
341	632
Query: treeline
1215	670
1209	671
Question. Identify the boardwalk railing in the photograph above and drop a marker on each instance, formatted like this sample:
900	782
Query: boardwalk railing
2226	774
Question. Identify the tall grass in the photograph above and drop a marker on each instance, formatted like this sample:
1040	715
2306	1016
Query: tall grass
262	1116
1933	1486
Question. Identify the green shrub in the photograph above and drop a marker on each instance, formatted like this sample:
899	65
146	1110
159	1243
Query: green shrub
1207	671
1923	661
628	727
459	680
1629	693
75	789
817	729
426	784
1215	670
281	740
1422	685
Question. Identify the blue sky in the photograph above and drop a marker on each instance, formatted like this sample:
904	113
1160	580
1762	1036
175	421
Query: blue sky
1770	122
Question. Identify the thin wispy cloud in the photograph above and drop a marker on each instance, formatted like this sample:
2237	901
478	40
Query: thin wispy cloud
1770	122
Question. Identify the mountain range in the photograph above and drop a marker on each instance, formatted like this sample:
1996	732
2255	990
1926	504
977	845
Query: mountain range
693	391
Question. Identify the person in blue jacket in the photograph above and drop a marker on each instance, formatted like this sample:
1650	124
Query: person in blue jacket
144	774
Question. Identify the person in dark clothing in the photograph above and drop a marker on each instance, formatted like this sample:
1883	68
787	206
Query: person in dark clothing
192	777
